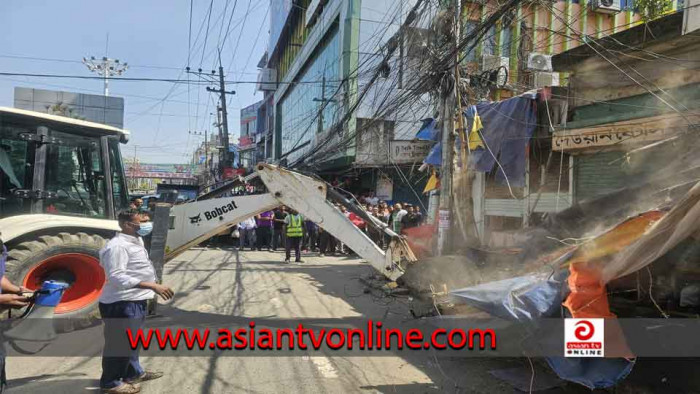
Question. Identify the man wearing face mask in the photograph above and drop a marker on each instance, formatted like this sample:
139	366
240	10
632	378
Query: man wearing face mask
131	282
145	232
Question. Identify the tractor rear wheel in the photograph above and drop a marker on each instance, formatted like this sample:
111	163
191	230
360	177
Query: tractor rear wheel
68	258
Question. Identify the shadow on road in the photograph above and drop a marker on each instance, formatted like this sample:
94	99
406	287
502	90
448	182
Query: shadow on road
68	383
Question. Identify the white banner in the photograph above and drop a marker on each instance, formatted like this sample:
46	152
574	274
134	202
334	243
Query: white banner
385	189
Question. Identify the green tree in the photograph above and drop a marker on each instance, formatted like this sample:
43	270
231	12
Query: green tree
652	9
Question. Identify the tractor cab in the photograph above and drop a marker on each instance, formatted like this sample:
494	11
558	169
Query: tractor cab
58	165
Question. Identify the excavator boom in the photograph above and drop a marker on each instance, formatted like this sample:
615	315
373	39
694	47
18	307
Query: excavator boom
196	221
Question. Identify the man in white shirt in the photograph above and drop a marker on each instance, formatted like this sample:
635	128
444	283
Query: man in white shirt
246	233
131	282
372	199
396	216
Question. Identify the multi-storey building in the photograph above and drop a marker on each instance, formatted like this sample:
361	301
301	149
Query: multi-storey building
249	136
322	55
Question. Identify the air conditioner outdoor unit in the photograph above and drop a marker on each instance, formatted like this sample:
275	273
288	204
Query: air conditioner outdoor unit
539	62
267	79
606	6
492	63
542	79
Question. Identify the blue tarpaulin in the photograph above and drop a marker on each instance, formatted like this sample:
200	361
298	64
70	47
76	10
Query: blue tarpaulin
428	130
434	158
523	298
594	373
508	125
530	298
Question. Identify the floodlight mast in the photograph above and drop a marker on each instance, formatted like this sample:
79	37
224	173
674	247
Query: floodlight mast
105	67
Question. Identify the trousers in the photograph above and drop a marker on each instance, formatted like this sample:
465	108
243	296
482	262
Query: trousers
264	236
327	243
119	361
293	242
246	237
278	238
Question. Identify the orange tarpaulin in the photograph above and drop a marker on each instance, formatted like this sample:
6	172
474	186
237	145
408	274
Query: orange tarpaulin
588	298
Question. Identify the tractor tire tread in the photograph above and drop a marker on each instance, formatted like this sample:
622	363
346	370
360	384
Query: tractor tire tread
21	254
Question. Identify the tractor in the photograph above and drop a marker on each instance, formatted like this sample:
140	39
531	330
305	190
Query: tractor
61	183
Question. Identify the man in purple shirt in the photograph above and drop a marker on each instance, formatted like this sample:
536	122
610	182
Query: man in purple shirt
264	229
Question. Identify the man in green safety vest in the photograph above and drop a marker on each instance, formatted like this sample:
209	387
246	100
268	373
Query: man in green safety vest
294	229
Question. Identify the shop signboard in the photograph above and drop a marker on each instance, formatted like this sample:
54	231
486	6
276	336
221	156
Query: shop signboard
408	152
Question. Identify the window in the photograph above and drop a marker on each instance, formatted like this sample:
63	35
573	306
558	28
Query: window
489	41
16	171
469	29
507	40
313	99
119	190
74	172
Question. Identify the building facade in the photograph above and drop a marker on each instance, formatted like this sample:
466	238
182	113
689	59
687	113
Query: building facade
249	136
321	57
611	115
107	110
582	151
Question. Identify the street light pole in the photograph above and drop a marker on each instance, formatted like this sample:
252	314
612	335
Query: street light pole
105	68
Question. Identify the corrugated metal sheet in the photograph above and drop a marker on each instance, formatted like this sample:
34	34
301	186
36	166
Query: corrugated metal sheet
604	172
599	174
503	207
516	208
548	202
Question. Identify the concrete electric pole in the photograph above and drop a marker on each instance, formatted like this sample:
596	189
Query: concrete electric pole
447	102
228	161
206	144
105	68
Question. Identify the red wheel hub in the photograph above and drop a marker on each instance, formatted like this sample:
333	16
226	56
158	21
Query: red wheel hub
81	271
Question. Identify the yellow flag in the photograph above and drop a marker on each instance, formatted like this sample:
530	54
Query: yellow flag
474	137
433	182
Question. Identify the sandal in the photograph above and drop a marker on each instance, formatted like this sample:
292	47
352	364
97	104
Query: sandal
146	376
124	388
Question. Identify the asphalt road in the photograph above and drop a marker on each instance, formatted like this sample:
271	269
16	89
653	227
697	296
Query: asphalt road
215	283
259	285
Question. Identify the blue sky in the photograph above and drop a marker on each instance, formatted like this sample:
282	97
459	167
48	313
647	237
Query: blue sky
153	37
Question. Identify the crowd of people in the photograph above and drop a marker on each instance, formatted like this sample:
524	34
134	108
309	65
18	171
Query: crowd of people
145	210
268	230
284	228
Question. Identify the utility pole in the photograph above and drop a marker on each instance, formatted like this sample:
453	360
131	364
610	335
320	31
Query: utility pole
206	150
227	162
135	171
206	145
445	206
448	139
105	68
323	102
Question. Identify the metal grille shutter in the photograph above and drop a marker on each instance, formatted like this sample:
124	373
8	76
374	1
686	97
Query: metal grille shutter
604	172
